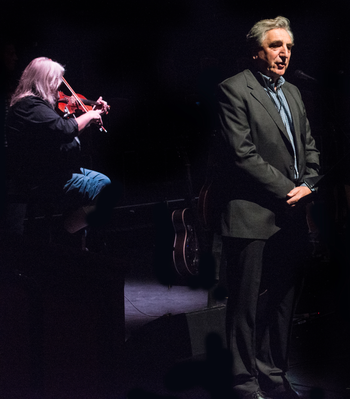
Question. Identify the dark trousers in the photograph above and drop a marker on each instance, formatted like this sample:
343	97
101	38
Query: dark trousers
264	279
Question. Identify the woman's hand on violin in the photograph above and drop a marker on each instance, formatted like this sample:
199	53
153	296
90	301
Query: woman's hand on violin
89	117
96	116
102	105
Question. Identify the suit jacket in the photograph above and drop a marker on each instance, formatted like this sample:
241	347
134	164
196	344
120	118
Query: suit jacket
256	158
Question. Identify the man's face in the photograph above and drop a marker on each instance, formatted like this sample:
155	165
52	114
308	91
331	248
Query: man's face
272	58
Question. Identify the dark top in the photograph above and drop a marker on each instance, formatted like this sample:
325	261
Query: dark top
42	149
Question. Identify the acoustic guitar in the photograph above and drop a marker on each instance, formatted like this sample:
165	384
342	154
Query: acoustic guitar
186	250
186	247
208	199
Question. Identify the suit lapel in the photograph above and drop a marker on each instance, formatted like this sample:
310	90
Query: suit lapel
260	95
293	106
296	112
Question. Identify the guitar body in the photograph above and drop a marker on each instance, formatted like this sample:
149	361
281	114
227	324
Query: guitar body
186	248
205	206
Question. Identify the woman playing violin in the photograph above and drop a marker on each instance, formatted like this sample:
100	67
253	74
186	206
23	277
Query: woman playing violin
43	147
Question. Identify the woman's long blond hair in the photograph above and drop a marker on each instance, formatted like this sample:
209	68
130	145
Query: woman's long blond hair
41	78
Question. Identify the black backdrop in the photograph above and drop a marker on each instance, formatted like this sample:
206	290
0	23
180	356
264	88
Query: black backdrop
157	63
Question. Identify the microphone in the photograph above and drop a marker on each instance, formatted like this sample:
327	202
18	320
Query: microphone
301	75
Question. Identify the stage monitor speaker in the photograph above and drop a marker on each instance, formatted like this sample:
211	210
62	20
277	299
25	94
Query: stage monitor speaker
172	338
204	322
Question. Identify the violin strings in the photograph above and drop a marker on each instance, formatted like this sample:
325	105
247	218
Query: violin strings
78	100
74	94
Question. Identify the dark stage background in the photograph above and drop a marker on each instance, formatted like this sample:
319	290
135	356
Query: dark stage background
157	64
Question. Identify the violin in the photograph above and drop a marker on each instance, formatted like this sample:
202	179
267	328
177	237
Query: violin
68	105
76	104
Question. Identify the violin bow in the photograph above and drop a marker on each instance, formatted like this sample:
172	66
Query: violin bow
74	94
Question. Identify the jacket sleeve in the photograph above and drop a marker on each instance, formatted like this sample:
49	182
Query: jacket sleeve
47	120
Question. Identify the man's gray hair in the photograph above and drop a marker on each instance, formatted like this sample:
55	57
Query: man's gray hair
257	34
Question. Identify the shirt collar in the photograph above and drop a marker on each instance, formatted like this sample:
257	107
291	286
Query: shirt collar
268	82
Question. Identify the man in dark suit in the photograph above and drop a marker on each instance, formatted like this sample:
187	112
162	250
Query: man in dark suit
268	164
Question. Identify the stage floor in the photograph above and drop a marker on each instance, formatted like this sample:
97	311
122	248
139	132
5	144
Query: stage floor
166	353
156	365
